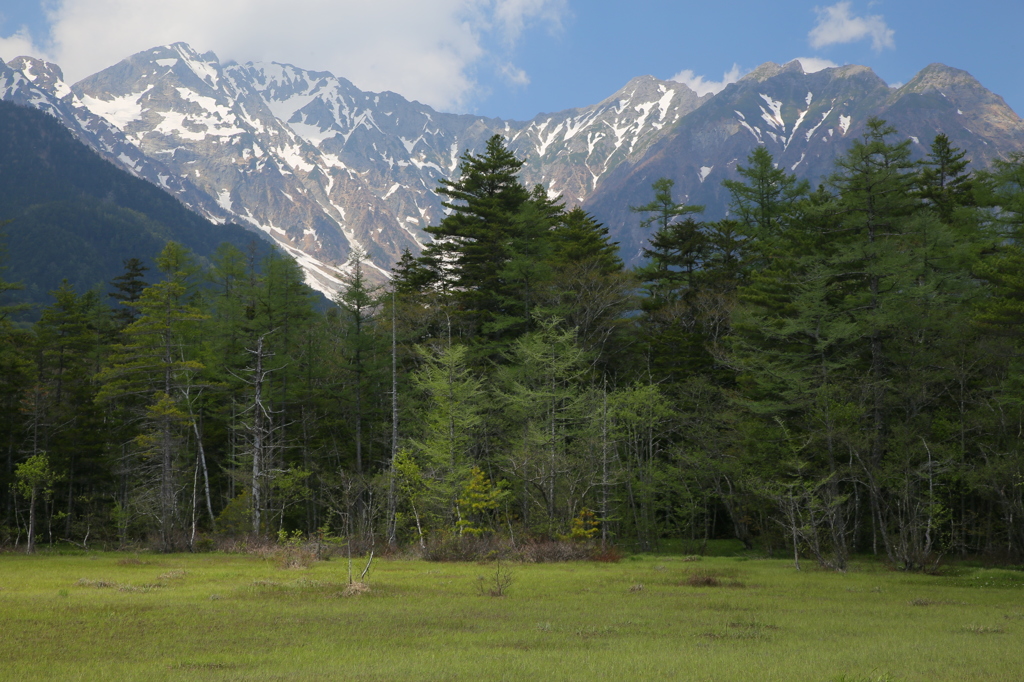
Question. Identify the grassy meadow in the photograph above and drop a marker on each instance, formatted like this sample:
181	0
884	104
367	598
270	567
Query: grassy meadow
113	616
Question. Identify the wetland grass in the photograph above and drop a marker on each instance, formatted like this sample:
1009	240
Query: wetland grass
236	617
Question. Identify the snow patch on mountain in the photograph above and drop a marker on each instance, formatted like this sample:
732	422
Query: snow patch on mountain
206	71
120	111
224	199
774	118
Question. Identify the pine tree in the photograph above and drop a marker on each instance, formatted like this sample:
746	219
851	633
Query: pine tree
473	240
944	182
128	287
764	201
672	279
578	238
158	365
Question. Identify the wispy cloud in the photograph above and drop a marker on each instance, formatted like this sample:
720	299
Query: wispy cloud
513	16
18	43
702	86
815	64
836	24
514	75
428	51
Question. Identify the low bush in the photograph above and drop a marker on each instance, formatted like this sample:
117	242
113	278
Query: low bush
533	551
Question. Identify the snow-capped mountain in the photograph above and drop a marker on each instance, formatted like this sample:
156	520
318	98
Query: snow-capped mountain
315	163
805	120
38	84
323	168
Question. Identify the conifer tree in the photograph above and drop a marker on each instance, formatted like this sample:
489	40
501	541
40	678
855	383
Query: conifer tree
672	279
158	365
944	182
358	304
474	238
128	287
764	201
578	238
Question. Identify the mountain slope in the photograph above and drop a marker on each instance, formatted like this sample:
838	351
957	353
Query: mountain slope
324	168
74	215
806	120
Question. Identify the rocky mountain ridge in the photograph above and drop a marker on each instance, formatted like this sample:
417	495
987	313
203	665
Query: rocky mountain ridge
323	168
318	165
806	120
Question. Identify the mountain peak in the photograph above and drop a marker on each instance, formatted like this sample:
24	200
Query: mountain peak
763	72
938	76
43	74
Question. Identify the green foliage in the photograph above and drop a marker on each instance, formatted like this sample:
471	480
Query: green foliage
479	503
765	201
585	525
35	477
823	374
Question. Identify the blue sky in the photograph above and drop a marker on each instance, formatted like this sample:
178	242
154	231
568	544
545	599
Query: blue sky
517	58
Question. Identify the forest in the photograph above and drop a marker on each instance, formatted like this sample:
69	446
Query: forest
829	371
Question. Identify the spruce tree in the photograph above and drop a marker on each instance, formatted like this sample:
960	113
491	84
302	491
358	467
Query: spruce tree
473	241
128	287
158	365
944	182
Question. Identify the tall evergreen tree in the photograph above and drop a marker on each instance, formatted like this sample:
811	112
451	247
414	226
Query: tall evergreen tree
128	287
473	239
944	182
764	201
158	365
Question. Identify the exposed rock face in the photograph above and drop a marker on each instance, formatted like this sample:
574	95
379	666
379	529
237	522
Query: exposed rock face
33	82
324	168
320	166
805	121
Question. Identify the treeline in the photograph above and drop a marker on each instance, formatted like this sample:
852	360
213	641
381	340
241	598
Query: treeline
827	371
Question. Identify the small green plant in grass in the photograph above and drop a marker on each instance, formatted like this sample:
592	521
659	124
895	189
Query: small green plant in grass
497	582
296	552
479	503
585	526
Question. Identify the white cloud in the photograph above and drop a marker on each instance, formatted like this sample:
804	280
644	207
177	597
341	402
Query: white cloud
815	64
513	15
837	25
701	86
514	75
17	44
426	51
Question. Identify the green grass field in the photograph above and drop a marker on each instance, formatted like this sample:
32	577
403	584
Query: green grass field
107	616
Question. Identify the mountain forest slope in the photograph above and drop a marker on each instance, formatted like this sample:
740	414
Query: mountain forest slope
73	215
323	168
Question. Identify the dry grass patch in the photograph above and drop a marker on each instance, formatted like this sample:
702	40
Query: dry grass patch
176	574
710	578
984	630
355	589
